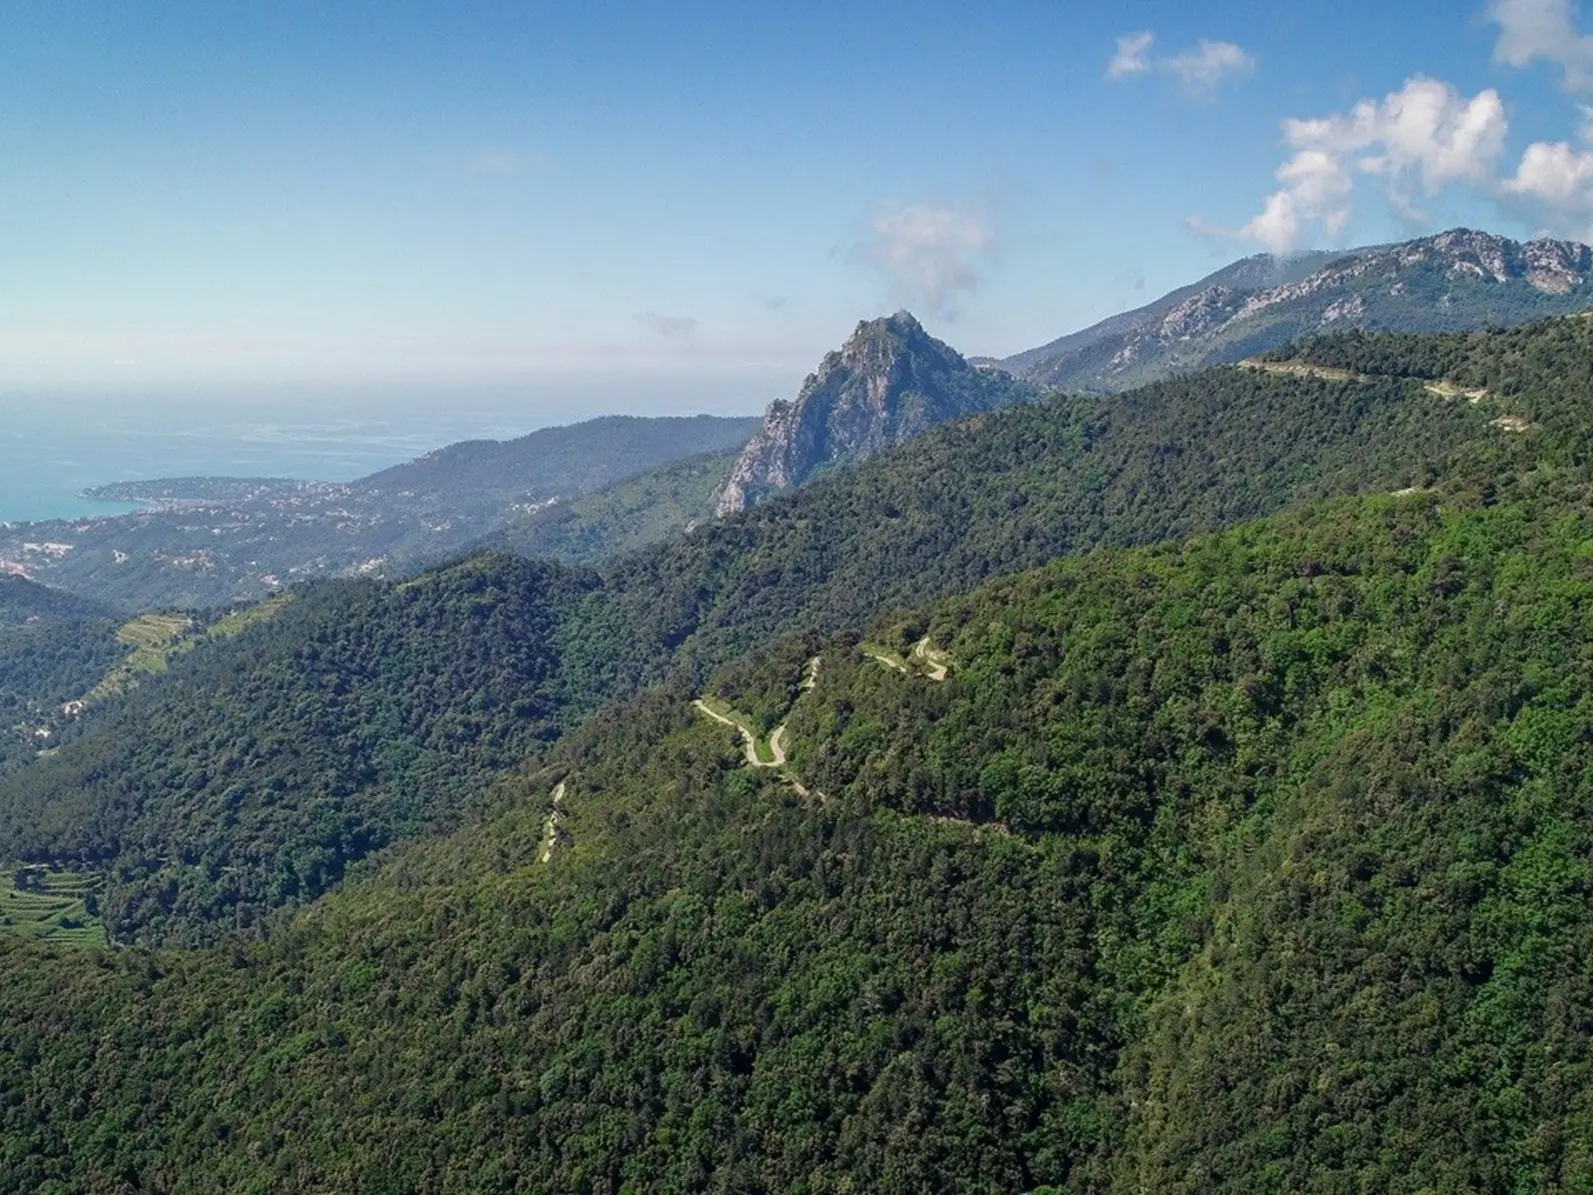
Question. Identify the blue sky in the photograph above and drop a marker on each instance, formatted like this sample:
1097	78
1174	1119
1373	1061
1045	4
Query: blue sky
225	194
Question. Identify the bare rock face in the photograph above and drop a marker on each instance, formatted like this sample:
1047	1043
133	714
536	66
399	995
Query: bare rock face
889	382
1455	280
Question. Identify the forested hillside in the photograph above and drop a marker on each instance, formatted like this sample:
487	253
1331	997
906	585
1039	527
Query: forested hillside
42	668
259	772
262	766
53	649
1258	860
25	601
1255	864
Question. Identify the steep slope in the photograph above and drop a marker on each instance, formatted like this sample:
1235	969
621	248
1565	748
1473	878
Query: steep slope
208	541
262	766
889	382
1453	281
1259	272
1254	863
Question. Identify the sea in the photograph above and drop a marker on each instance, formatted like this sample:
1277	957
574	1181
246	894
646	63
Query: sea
54	446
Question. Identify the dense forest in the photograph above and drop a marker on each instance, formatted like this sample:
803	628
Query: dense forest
1246	859
267	762
197	834
1260	862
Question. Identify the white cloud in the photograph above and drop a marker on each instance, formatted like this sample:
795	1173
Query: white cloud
1554	184
1200	69
1554	173
1209	63
1415	142
671	327
1316	188
931	255
1130	57
1546	29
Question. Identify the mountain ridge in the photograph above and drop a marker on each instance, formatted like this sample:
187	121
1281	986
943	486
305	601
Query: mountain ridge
1453	280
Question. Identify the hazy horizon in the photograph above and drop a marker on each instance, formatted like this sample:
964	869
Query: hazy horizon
59	441
481	192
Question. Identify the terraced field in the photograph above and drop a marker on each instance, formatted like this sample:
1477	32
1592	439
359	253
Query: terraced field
156	638
36	902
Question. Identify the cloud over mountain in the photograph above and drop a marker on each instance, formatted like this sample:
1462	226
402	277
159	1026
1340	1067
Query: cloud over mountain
1416	143
931	255
1412	143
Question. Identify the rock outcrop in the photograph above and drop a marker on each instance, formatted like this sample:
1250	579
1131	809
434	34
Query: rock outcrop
890	381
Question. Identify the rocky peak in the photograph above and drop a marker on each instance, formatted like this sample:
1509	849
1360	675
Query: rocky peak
891	380
1544	264
881	348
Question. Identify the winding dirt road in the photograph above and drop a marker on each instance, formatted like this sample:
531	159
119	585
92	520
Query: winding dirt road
750	740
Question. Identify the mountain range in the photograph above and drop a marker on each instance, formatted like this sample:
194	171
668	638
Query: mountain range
1177	793
1450	282
599	489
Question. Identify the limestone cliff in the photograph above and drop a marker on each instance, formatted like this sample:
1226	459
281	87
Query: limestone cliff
890	381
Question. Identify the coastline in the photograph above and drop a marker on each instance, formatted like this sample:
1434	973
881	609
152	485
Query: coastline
32	508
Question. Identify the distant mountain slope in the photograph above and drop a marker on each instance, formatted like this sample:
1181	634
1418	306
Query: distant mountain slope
551	463
890	381
1259	272
1454	281
209	541
22	600
632	513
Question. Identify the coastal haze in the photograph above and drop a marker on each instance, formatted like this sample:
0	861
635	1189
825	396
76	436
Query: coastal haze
58	444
